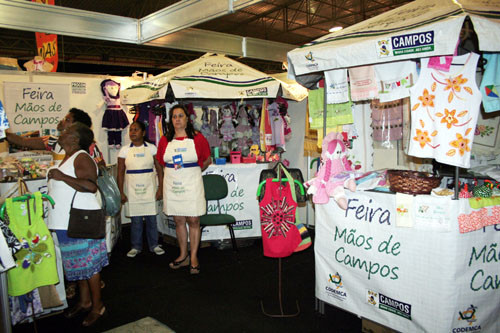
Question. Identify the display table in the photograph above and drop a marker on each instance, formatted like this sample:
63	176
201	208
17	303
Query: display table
426	277
241	202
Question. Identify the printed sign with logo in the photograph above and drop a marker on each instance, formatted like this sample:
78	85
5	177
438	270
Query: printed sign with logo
243	225
468	320
78	88
388	304
405	44
335	287
257	92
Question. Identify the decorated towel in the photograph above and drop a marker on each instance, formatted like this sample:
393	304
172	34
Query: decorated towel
337	88
363	83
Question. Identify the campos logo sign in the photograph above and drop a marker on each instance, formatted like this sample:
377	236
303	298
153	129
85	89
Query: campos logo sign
388	304
406	44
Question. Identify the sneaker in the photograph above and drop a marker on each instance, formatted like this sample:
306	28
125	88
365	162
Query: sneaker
158	250
132	253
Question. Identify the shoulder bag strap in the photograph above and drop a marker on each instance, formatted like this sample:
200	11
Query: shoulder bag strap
103	201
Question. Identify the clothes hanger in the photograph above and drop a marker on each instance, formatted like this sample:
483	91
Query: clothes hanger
262	183
24	198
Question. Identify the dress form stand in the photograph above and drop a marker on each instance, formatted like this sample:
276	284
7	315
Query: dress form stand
281	314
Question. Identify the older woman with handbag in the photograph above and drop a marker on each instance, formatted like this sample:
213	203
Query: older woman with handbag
83	258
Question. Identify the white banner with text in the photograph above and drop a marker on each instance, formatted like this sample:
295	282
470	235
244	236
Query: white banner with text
35	106
425	277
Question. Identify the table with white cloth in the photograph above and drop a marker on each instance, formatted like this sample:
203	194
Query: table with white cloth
409	269
241	202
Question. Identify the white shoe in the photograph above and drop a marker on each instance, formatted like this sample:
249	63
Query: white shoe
132	253
158	250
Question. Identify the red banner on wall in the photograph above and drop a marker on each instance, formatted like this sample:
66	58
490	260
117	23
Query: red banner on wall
46	44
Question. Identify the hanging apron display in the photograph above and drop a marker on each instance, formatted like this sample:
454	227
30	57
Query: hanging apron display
280	236
183	192
36	261
140	182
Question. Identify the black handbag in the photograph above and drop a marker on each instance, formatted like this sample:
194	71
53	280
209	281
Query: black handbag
273	173
87	223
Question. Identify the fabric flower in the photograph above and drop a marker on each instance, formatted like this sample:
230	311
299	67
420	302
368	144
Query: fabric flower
427	99
422	137
455	83
449	118
461	143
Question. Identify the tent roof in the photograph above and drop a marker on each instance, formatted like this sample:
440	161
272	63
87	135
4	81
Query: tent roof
422	28
212	76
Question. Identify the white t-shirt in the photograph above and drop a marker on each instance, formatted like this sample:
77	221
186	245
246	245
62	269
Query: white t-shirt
124	150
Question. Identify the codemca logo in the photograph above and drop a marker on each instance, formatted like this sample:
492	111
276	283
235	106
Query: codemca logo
469	316
312	64
388	304
406	44
335	286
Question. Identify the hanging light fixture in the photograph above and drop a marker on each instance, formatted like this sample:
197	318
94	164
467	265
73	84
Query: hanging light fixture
337	28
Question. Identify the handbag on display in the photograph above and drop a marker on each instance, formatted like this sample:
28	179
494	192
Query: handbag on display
87	223
273	173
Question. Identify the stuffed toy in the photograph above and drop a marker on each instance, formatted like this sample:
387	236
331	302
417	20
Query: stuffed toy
334	173
243	132
214	138
227	127
254	120
205	127
114	119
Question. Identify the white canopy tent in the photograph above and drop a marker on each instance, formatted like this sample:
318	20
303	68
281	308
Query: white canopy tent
422	28
212	76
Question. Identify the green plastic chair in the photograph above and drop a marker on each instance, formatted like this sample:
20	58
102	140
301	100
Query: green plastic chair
216	189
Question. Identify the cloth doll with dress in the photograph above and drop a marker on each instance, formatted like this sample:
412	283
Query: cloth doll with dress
227	127
114	119
243	132
334	174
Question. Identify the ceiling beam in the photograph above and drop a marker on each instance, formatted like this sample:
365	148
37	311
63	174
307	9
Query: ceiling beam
66	21
80	23
185	14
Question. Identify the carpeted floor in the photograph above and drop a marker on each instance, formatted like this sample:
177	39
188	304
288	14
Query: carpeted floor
225	297
144	325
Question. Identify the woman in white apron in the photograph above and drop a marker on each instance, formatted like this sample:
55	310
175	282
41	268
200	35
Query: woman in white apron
185	153
139	189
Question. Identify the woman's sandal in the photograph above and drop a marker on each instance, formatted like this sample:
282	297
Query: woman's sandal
179	264
76	310
93	317
194	270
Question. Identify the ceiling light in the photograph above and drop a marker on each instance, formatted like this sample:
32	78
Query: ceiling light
337	28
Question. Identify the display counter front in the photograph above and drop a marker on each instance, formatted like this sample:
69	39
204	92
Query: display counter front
409	269
241	202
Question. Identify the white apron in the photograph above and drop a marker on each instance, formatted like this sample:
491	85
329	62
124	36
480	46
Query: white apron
183	192
140	182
